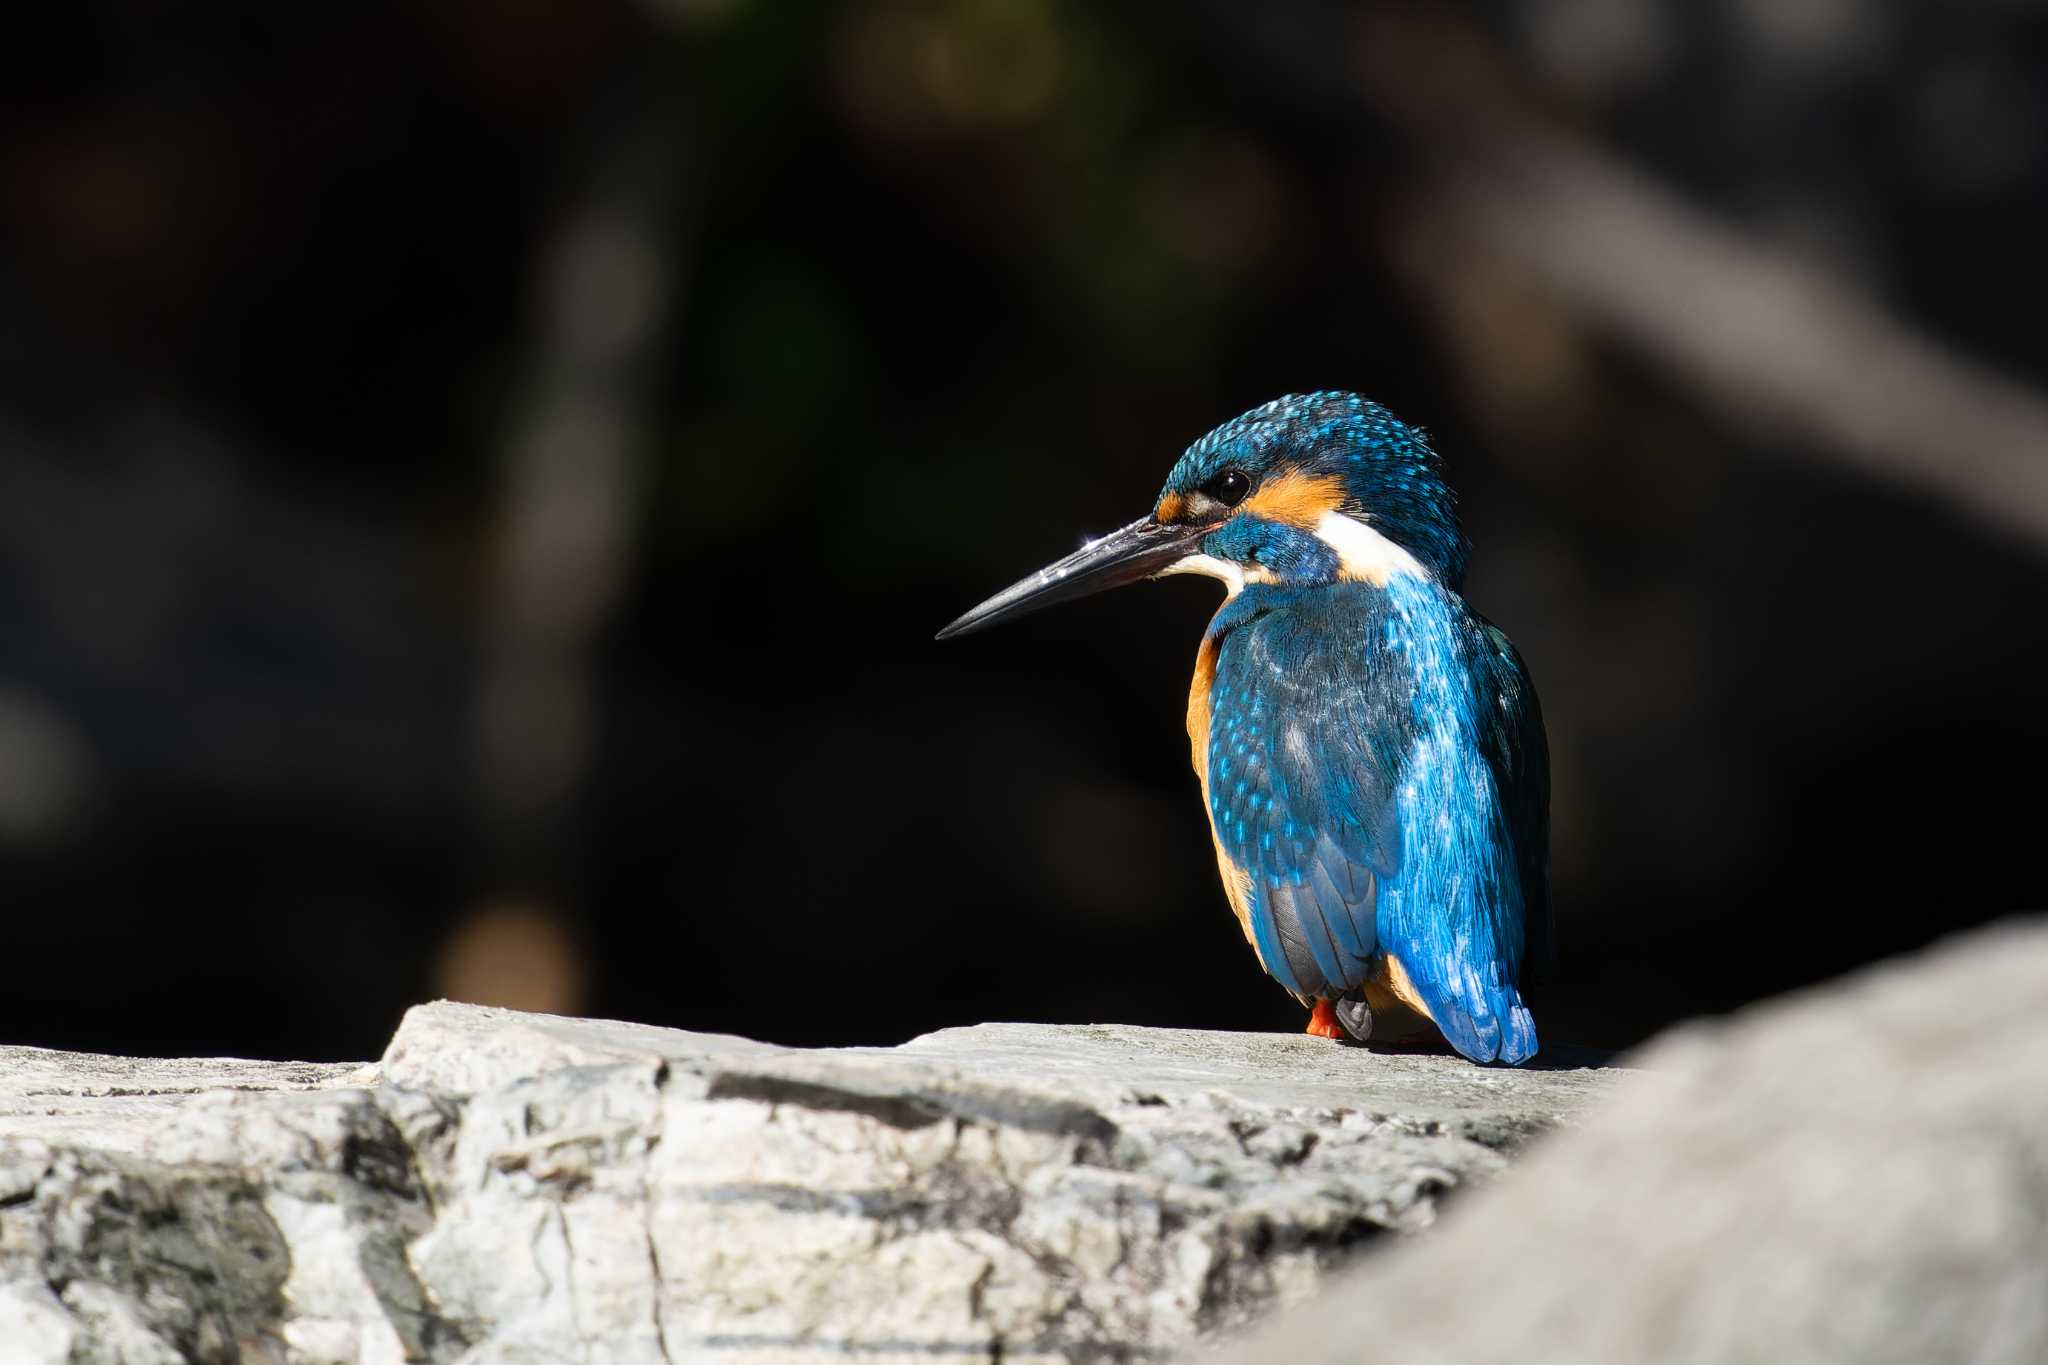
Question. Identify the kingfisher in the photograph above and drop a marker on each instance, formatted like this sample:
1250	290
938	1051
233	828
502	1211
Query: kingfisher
1369	748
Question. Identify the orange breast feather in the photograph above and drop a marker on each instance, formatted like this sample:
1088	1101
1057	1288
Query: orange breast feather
1237	883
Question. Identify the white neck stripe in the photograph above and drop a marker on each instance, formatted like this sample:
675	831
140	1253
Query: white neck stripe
1363	556
1363	553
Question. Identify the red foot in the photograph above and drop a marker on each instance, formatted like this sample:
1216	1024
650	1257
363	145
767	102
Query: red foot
1322	1022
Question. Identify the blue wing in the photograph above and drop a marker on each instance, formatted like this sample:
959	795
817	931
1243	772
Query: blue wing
1303	758
1355	768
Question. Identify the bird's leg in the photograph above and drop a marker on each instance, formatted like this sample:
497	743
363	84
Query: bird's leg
1355	1014
1322	1023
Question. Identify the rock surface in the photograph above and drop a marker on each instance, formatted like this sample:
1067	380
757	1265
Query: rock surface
1857	1173
520	1188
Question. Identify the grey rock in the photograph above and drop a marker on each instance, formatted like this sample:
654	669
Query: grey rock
1857	1173
520	1188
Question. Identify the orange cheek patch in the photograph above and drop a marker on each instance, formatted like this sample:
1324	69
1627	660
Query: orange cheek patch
1296	499
1171	505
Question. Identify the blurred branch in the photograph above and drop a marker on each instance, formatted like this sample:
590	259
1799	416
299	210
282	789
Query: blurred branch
578	461
1763	335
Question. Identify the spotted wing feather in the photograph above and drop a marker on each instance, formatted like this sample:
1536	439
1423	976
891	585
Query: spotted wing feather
1304	750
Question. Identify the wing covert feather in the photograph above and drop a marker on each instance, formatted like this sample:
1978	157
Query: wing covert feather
1301	783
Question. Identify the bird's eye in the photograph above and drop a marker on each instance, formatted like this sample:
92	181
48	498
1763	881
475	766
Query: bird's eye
1228	488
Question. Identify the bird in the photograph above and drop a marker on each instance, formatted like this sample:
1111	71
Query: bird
1370	749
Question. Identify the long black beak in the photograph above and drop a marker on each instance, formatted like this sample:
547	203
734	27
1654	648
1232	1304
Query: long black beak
1139	550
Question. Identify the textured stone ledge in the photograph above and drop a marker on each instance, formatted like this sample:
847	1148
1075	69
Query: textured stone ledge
506	1187
1856	1173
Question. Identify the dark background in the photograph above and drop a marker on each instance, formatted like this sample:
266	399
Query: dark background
478	482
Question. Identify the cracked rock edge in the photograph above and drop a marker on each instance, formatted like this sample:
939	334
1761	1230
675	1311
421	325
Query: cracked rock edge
516	1183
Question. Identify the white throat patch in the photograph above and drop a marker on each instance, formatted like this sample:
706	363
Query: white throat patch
1231	575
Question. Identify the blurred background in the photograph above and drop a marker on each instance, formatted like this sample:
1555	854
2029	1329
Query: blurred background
478	482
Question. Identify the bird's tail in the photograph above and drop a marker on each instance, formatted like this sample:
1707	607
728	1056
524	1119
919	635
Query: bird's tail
1486	1022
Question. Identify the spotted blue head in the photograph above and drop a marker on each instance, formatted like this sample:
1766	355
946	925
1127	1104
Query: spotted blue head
1309	489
